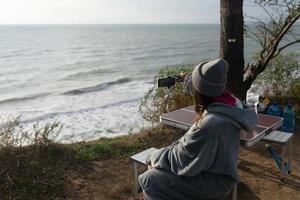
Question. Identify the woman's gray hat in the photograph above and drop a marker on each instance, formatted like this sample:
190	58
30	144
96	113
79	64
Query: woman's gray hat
209	77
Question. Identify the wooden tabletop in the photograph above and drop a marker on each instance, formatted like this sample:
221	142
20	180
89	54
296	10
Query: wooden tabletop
184	118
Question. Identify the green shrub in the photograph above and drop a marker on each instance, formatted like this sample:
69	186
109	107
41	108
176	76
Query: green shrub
161	100
44	136
280	78
13	134
294	89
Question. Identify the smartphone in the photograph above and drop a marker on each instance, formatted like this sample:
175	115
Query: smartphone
166	82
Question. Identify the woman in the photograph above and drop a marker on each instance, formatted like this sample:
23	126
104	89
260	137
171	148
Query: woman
203	163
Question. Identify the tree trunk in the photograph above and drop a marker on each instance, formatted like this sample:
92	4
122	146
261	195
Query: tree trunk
232	44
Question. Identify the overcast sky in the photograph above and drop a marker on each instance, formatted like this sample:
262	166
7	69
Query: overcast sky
111	11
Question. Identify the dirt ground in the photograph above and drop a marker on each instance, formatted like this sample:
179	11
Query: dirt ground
259	177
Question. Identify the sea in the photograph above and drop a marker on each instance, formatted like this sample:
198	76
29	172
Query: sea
92	78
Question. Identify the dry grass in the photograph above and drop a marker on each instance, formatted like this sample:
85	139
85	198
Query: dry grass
32	172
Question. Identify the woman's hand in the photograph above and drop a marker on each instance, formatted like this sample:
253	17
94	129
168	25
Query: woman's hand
182	75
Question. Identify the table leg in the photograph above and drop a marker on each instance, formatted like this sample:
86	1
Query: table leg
234	192
282	163
290	154
136	181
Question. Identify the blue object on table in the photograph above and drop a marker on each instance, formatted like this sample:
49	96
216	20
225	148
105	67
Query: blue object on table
274	109
288	118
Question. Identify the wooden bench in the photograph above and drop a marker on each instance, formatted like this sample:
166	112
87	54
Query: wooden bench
285	140
140	158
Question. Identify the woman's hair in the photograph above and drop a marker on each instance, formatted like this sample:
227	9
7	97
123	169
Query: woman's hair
201	102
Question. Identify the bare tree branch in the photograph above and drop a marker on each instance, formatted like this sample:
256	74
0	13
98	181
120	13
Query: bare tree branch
290	20
269	35
268	13
287	5
285	46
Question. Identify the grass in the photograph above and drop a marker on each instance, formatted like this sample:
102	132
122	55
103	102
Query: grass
32	172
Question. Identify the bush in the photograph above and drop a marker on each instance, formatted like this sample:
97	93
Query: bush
13	134
45	136
281	77
294	89
161	100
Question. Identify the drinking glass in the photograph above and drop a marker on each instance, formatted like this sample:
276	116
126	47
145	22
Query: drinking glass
252	97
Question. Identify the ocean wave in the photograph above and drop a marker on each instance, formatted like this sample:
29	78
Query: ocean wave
24	52
25	98
172	47
96	88
79	47
96	55
52	115
162	56
91	72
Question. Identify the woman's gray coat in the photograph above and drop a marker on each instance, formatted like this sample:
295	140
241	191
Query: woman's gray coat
203	163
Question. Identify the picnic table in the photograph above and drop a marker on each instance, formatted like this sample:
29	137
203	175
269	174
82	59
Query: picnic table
183	118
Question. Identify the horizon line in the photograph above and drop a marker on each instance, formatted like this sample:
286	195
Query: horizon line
1	24
146	23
